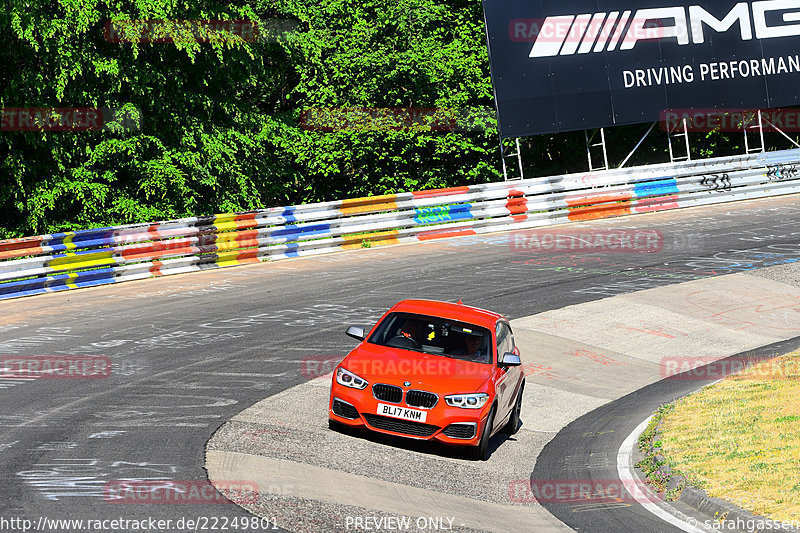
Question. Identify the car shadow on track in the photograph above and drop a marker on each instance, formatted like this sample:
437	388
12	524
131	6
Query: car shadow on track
422	446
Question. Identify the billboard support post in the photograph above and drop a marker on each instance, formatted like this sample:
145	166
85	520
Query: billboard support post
776	129
505	155
601	144
685	134
653	125
760	127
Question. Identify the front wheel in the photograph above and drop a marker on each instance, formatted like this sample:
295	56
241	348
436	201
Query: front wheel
513	421
481	451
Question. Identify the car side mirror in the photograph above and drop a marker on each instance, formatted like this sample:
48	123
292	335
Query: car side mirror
511	359
356	332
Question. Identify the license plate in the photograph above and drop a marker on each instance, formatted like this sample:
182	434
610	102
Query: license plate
396	411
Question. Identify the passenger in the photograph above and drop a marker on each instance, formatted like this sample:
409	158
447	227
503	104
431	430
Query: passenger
472	348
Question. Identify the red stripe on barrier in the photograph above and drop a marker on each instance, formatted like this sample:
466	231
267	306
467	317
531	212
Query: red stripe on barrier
248	256
250	237
599	206
156	268
160	249
657	204
430	235
517	205
153	231
246	220
11	248
440	192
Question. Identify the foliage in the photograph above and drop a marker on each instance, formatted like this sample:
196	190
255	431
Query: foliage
220	121
219	124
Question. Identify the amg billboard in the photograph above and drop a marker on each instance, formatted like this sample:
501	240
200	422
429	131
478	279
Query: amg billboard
561	66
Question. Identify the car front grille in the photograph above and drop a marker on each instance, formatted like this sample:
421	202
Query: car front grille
405	427
460	431
419	398
387	393
344	409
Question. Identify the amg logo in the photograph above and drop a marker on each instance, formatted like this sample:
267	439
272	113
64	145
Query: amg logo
568	34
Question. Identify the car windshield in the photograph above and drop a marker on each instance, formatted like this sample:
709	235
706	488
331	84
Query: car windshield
434	335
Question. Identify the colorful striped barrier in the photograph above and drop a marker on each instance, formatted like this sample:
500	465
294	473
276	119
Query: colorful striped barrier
62	261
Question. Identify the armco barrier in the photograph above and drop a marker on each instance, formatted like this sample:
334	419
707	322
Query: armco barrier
85	258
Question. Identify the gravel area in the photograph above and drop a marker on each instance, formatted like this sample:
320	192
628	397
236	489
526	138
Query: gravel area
417	464
788	273
301	515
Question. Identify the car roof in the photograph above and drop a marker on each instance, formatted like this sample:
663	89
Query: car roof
457	311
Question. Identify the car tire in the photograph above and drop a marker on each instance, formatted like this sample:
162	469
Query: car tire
513	422
338	426
481	451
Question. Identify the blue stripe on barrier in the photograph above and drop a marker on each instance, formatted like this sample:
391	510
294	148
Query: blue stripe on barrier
93	234
83	276
445	213
85	252
25	287
288	214
292	232
656	188
292	250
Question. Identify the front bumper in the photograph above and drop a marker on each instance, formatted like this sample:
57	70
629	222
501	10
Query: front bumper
450	425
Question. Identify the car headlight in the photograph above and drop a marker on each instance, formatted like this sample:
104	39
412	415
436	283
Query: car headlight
348	379
467	401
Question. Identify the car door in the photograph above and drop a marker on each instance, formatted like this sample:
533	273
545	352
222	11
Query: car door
504	382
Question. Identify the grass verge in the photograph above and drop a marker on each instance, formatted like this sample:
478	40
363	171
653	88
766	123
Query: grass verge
739	439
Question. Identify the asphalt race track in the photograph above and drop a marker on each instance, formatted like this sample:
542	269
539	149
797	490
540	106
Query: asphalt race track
595	457
190	352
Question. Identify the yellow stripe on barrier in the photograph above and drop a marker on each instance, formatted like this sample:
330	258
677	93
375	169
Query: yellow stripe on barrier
374	203
74	261
226	259
72	285
370	239
226	226
67	240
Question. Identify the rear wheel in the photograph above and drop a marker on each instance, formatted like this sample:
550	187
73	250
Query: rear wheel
481	451
513	422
